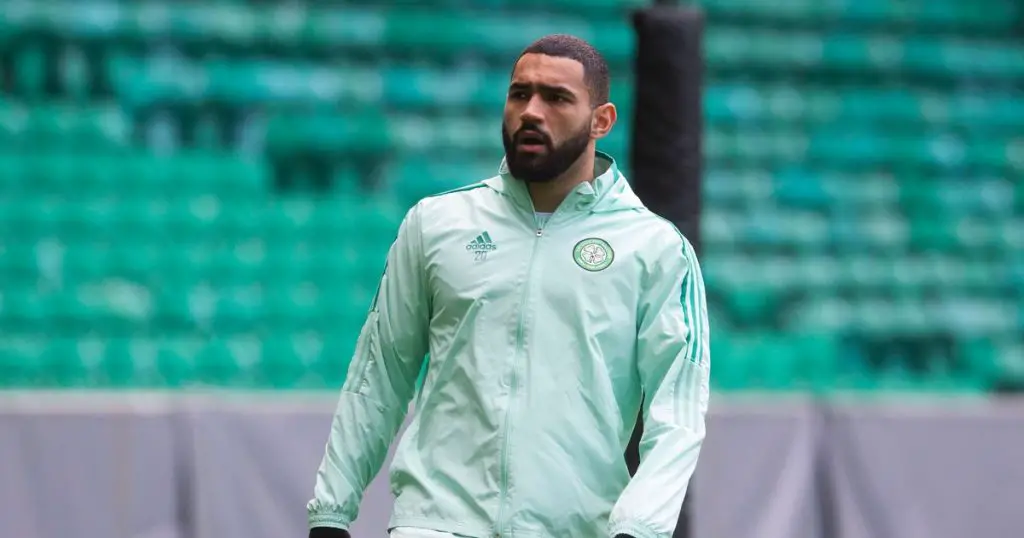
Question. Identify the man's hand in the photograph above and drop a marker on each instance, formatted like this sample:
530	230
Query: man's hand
328	532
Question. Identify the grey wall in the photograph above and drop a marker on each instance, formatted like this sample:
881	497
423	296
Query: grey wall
217	466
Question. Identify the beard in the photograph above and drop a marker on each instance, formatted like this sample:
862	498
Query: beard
545	166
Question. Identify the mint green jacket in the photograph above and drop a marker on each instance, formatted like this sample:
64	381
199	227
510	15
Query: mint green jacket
543	341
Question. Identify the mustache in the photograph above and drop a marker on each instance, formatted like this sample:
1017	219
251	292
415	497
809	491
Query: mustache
532	132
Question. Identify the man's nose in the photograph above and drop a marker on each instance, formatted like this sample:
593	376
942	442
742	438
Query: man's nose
534	111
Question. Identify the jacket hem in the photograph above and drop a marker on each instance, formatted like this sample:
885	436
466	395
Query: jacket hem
630	528
328	520
460	529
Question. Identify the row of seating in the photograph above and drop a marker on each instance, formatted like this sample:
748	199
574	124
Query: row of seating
296	360
989	16
189	173
131	298
445	35
835	147
862	212
767	230
966	192
211	251
849	209
761	231
107	126
141	81
134	169
106	216
837	191
992	16
311	359
218	301
821	361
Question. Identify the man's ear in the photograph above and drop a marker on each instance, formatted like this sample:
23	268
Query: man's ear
604	119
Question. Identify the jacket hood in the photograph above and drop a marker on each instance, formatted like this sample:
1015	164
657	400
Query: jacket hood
608	191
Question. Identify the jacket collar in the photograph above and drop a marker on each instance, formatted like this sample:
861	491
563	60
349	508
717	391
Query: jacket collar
609	190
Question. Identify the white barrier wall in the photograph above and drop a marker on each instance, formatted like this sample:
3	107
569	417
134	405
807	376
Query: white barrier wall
234	465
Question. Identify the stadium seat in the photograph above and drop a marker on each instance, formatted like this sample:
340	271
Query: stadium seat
862	181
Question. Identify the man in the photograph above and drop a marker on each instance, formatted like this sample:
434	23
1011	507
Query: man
551	303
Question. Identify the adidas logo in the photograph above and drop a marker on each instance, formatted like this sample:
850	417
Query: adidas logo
482	243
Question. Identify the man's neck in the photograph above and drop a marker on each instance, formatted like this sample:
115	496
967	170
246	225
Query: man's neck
548	196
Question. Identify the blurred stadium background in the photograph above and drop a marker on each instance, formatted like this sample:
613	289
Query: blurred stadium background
198	196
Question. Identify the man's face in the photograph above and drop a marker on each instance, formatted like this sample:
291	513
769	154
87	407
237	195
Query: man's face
548	117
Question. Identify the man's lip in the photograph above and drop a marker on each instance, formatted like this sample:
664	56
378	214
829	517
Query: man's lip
531	137
531	147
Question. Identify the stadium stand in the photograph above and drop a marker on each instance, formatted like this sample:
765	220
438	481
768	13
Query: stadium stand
202	193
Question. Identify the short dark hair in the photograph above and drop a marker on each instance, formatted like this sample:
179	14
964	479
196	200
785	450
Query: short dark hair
595	68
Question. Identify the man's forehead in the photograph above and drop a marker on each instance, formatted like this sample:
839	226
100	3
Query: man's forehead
547	70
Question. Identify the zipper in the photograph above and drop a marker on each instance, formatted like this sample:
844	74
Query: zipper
538	231
527	287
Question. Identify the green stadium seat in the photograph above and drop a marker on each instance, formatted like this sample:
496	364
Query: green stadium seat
444	88
119	365
421	176
281	366
1010	365
729	370
223	362
986	16
30	70
20	367
64	364
863	156
331	364
364	132
175	361
756	362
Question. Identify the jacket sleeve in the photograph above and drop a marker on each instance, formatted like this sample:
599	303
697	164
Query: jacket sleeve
379	385
674	363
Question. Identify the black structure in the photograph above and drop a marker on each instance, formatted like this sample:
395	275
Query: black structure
666	154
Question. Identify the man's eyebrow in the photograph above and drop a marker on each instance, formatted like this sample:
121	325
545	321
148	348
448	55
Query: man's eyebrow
549	88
